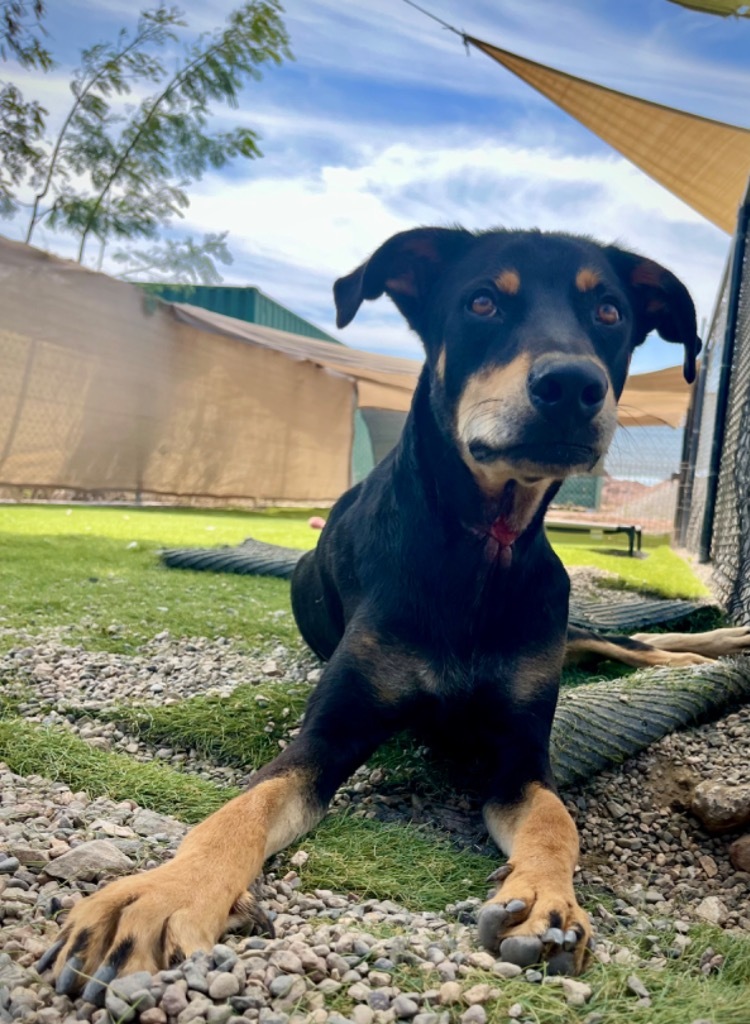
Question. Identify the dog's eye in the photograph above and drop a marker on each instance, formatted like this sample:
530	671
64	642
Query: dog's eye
608	313
482	304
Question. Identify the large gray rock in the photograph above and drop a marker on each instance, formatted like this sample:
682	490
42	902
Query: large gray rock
721	808
150	823
739	853
90	862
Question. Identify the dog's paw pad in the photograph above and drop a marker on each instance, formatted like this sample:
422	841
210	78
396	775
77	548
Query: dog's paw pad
522	950
562	963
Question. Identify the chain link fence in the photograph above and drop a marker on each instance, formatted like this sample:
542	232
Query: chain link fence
713	517
637	485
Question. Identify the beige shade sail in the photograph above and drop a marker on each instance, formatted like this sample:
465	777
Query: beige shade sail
659	398
705	163
724	8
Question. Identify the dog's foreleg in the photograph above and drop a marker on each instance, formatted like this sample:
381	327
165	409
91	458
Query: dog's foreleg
147	921
535	916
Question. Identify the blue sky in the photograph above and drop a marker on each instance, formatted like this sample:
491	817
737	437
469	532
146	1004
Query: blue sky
383	122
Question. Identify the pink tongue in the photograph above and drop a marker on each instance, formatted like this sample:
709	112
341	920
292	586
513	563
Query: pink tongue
502	533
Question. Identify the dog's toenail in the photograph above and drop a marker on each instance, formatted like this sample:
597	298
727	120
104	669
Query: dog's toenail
97	986
491	922
69	977
48	958
516	906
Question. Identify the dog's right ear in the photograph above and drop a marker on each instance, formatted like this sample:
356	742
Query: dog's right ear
405	268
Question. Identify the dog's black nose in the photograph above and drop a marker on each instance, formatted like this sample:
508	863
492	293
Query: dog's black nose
562	389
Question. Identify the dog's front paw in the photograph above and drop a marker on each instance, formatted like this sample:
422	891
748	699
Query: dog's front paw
532	921
144	922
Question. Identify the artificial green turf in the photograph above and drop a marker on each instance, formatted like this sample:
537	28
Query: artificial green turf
242	729
662	572
412	866
60	755
163	527
96	572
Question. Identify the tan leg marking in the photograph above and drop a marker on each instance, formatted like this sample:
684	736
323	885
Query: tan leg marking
541	841
187	903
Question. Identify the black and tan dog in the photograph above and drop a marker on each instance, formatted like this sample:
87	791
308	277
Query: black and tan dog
433	593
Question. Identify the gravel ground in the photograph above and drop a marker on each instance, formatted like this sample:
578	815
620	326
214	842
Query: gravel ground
639	846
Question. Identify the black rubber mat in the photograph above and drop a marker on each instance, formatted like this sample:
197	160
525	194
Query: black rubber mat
613	612
618	615
251	558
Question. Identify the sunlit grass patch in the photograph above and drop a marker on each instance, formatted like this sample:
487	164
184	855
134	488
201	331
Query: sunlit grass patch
662	572
242	729
113	597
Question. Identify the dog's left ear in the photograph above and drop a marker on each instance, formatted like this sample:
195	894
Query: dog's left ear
405	268
662	303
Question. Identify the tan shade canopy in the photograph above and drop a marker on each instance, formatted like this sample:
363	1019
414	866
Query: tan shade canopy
656	399
705	163
103	390
382	382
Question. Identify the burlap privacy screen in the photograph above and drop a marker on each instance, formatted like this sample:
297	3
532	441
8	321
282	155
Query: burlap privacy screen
104	389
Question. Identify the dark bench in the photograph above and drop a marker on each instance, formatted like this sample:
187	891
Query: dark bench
634	533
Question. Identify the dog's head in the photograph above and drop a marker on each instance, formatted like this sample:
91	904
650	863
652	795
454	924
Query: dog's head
528	338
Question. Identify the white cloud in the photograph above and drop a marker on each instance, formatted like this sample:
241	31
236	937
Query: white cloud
298	234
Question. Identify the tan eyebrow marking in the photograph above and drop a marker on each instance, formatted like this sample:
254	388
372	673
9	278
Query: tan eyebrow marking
587	279
509	282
